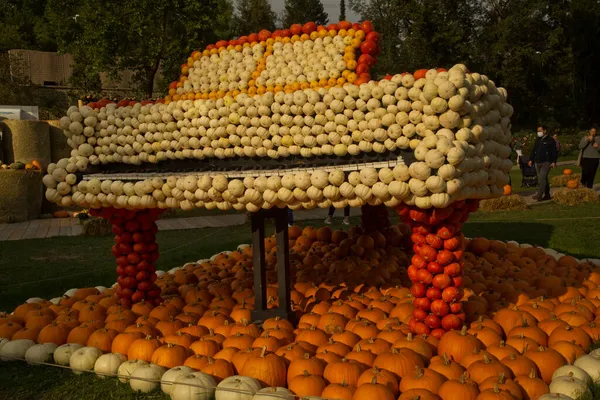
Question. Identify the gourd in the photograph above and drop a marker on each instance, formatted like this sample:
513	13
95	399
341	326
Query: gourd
108	364
569	386
244	387
203	387
169	377
84	359
149	378
590	363
572	371
127	368
271	393
62	354
40	353
15	349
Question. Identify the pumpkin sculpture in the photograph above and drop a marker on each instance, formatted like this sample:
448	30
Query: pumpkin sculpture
257	98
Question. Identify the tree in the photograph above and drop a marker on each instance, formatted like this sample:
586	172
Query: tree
390	18
342	10
252	16
137	35
303	11
24	26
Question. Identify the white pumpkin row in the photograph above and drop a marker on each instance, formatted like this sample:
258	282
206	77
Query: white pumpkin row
572	382
181	383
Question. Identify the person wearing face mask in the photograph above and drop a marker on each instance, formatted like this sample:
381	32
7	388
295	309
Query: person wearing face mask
589	157
544	155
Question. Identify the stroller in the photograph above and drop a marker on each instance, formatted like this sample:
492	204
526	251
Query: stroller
530	178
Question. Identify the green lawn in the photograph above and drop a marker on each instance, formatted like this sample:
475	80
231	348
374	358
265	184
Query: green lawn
48	267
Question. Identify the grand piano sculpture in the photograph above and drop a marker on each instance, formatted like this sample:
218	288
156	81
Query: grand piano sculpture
293	119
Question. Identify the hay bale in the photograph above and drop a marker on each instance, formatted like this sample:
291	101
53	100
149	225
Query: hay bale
505	203
21	194
26	141
58	142
561	180
574	197
96	227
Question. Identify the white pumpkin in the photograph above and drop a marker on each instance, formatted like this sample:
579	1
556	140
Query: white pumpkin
3	341
590	363
554	396
108	364
272	393
15	349
84	359
63	353
237	387
146	378
169	377
203	387
574	372
569	386
40	353
127	368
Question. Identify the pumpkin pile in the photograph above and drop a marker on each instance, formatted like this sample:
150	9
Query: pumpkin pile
136	252
533	312
436	269
297	96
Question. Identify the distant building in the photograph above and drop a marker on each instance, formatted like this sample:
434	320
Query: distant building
52	70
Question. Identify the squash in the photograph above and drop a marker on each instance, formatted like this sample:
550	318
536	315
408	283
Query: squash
40	353
84	359
149	378
108	364
203	389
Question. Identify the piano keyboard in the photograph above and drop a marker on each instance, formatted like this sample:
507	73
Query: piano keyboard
136	176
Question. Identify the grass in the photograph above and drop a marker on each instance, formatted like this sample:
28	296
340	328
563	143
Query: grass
48	267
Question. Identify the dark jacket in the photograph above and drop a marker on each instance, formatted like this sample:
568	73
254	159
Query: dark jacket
544	150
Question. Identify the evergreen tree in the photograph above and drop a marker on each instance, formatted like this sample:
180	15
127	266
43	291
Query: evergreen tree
342	10
303	11
252	16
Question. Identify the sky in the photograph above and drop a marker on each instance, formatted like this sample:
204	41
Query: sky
332	8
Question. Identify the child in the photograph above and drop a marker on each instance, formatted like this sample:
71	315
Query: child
346	215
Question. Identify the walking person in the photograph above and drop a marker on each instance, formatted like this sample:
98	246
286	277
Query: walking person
544	156
589	157
346	220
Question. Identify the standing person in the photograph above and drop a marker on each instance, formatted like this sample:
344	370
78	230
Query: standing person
555	137
544	156
590	157
346	215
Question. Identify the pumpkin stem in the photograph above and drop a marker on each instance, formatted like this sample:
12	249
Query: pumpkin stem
532	373
463	378
264	350
374	380
420	372
446	359
496	388
306	373
486	359
409	336
463	331
306	356
502	378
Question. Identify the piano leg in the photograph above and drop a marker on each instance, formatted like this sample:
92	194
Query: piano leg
257	221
